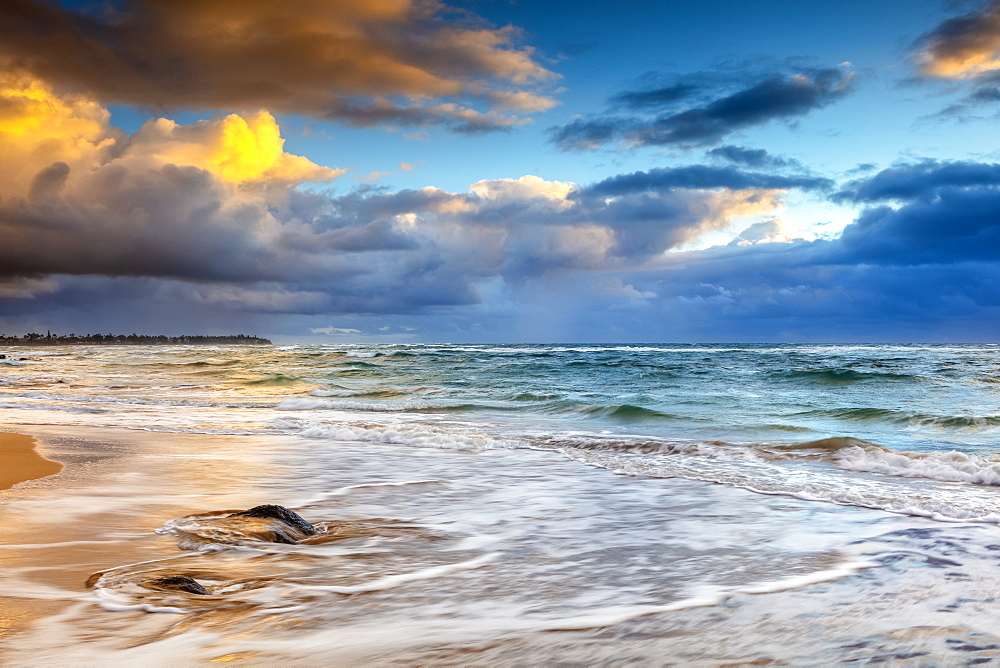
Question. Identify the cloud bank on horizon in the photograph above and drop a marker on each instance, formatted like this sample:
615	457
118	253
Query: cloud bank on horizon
205	221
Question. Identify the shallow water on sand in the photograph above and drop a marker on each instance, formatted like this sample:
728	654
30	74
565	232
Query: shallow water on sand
507	504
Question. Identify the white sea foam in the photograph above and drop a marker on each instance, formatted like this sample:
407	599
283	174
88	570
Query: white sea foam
951	466
332	392
785	478
391	581
343	491
308	404
420	435
114	601
709	596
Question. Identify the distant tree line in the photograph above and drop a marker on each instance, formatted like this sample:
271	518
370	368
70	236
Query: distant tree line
50	339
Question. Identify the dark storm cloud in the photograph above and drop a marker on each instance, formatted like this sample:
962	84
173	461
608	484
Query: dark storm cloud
166	222
957	225
946	212
922	269
409	62
702	176
921	180
775	97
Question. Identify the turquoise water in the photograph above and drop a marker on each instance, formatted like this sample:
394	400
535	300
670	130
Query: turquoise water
722	413
628	493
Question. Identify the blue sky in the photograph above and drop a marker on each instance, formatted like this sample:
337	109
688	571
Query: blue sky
413	170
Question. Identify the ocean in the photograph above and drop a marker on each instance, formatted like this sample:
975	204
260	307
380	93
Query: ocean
507	504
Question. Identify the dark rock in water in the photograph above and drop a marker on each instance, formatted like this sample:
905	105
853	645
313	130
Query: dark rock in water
3	357
177	583
281	514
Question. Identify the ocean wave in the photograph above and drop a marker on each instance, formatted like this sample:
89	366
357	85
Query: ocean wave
842	376
387	406
832	444
279	379
779	479
627	412
893	416
951	466
529	396
140	401
419	435
782	469
371	393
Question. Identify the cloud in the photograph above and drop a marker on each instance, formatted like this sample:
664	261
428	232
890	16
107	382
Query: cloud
763	232
193	201
210	215
339	331
956	223
655	97
186	226
924	179
923	269
774	97
702	176
755	158
401	61
964	46
966	49
237	149
39	128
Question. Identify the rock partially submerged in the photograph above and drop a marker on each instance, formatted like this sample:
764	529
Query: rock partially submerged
261	524
121	579
280	513
177	583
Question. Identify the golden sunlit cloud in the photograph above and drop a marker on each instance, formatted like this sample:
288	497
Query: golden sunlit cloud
965	46
365	62
236	149
39	128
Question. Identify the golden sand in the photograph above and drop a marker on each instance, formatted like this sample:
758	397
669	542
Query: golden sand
56	533
19	461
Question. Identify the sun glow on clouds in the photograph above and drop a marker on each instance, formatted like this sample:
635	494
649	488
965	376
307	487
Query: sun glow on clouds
209	215
525	188
965	46
39	128
237	149
723	213
364	62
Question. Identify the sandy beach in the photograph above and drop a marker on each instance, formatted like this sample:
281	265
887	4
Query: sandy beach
21	461
413	585
505	520
100	513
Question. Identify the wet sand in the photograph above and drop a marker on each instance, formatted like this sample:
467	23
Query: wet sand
116	488
21	462
466	596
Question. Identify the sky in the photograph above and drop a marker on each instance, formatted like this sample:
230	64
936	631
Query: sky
502	170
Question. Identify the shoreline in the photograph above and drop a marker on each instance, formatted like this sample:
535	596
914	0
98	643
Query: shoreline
121	485
116	487
22	461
